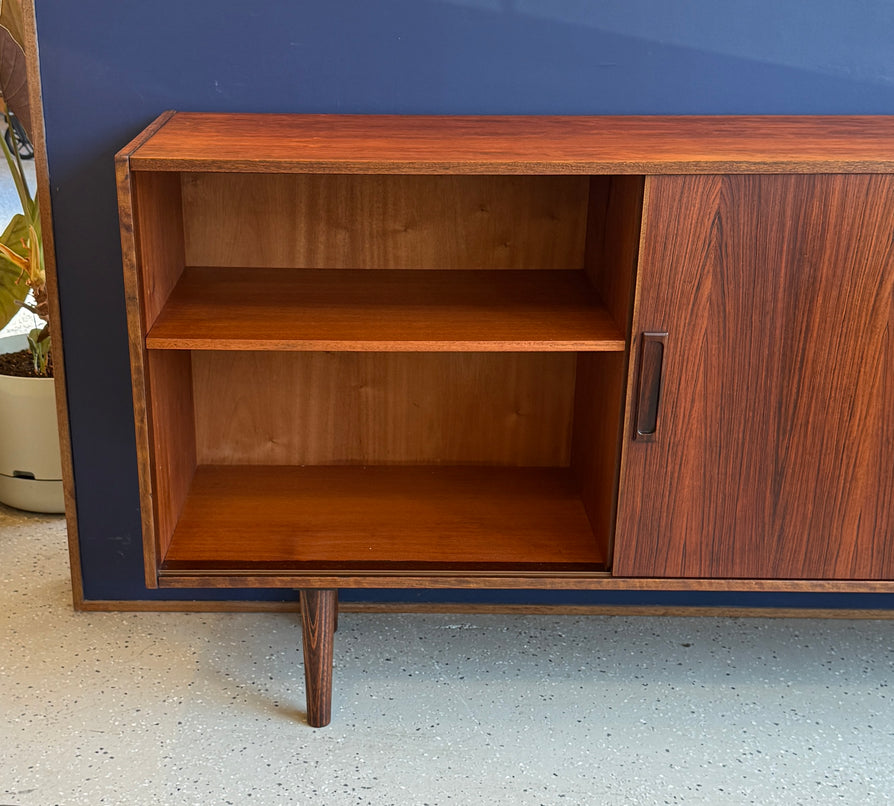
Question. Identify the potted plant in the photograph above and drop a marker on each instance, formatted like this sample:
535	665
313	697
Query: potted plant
30	464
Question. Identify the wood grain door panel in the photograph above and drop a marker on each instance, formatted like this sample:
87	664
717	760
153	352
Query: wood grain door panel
773	455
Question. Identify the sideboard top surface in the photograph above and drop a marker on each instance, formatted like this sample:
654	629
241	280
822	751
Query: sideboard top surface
184	141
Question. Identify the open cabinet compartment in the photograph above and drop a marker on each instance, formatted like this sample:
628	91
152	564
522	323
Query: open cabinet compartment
362	375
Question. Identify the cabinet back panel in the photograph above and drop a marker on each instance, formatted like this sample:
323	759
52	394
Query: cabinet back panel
385	222
321	408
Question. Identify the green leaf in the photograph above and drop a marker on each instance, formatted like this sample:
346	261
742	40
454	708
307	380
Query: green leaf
16	234
11	293
13	285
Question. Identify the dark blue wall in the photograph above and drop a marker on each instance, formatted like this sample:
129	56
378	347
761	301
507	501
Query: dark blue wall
109	67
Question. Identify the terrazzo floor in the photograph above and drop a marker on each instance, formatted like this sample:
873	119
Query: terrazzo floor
166	708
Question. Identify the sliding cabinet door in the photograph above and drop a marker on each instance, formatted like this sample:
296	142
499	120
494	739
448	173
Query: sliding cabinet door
759	440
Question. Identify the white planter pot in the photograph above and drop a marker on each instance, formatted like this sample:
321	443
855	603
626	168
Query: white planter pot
30	464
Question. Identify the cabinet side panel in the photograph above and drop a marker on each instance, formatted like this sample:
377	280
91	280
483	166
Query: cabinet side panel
152	240
173	439
773	455
323	408
159	239
138	360
385	222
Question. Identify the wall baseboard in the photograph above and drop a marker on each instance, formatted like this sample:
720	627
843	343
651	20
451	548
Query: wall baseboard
103	606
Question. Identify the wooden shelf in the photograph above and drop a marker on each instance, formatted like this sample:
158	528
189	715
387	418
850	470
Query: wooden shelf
251	519
384	310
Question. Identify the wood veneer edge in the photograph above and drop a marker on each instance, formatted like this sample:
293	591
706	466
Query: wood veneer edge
127	152
390	346
520	581
583	168
631	315
632	364
38	139
137	350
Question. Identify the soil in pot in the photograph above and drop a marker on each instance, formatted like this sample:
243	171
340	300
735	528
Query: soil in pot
20	365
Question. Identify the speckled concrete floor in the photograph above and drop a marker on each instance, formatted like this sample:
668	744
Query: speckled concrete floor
204	709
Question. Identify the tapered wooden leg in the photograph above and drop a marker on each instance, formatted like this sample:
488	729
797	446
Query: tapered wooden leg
319	609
